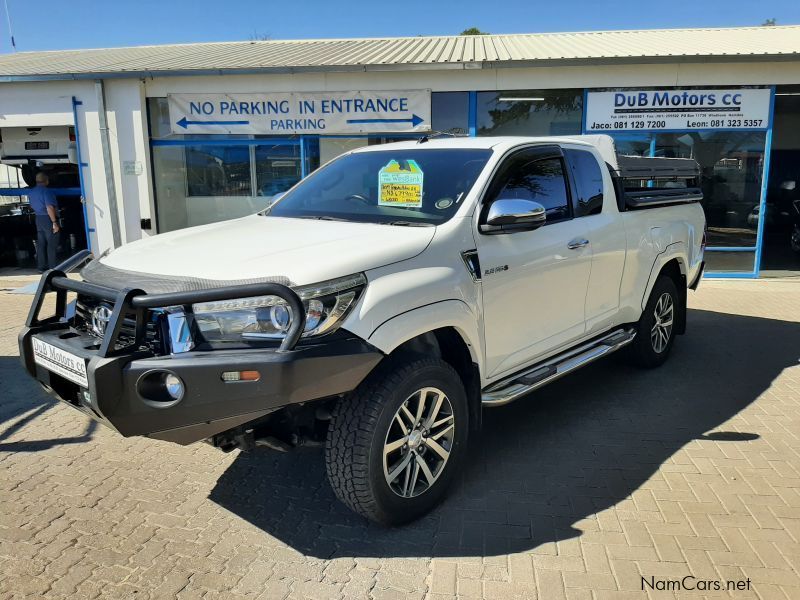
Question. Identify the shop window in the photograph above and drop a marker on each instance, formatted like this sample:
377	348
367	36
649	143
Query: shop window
633	144
218	171
731	163
158	111
312	157
450	112
205	183
530	112
331	147
277	168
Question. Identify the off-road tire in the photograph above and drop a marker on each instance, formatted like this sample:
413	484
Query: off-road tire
358	430
641	351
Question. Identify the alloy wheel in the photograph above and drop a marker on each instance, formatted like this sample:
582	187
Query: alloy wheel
662	327
419	442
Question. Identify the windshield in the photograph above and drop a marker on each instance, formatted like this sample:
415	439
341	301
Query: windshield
395	187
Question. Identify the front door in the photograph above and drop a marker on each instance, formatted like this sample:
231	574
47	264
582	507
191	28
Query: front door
534	282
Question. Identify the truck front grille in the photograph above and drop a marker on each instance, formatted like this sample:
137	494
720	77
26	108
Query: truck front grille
153	340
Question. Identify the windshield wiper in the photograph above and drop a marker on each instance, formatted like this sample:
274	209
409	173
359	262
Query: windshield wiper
321	218
408	223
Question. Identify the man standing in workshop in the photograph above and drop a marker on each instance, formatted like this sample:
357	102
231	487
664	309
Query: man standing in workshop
45	206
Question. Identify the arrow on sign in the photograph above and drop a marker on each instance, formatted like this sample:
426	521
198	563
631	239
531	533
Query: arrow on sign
414	120
185	123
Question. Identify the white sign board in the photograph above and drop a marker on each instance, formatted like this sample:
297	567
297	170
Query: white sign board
301	112
676	110
132	167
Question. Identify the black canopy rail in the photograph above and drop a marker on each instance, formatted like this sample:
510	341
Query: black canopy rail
651	182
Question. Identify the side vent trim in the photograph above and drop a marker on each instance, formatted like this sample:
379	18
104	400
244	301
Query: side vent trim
471	261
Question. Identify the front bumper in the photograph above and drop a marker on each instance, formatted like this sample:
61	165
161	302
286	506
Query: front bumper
209	405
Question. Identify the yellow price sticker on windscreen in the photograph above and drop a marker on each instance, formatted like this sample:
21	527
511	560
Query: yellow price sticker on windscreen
400	184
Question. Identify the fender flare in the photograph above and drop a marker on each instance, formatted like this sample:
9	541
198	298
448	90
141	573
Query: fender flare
672	252
676	250
423	319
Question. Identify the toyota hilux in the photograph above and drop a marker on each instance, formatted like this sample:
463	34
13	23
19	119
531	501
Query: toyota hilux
380	305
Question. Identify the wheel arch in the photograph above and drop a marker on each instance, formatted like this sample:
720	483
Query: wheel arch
422	320
448	344
675	268
448	325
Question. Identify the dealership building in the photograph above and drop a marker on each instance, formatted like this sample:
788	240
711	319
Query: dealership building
159	138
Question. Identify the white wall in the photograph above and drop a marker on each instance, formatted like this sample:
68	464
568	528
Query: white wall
441	80
130	153
38	104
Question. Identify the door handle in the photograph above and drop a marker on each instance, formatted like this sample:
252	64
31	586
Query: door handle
578	243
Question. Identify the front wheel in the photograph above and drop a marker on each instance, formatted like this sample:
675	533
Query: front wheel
395	443
655	332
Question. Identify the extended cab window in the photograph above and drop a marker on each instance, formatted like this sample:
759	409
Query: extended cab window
588	180
529	177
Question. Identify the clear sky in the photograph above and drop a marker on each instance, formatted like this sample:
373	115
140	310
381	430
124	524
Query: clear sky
60	24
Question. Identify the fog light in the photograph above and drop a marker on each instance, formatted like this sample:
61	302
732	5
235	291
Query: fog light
174	386
229	376
161	388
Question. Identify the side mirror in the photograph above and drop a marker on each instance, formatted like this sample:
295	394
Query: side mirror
507	216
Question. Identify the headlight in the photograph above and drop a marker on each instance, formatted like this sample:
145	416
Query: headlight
270	317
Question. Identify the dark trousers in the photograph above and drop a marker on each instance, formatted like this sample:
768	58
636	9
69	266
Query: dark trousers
46	243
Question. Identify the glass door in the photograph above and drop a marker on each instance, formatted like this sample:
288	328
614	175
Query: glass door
781	254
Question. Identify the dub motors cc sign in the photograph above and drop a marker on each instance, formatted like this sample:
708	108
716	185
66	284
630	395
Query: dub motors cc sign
677	110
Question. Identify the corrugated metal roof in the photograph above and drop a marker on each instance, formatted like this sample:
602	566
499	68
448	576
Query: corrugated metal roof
743	43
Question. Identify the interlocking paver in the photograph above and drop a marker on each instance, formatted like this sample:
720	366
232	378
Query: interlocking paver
575	494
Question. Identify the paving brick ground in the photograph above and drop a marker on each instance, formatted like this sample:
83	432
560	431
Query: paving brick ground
576	493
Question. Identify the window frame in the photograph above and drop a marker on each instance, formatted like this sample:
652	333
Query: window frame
577	211
541	152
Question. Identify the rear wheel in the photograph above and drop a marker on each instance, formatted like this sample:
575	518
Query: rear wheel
655	331
395	443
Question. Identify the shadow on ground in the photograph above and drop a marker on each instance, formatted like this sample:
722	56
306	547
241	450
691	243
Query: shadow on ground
22	401
570	450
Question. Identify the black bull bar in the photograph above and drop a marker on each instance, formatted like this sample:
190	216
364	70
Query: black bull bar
136	303
115	366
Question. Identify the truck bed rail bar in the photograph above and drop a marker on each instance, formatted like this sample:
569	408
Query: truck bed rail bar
652	197
655	168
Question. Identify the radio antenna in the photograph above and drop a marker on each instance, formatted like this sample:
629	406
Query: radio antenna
10	30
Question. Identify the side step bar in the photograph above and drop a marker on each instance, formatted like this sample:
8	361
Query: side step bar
553	368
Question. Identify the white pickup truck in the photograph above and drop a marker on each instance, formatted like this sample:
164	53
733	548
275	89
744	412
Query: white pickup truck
380	305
